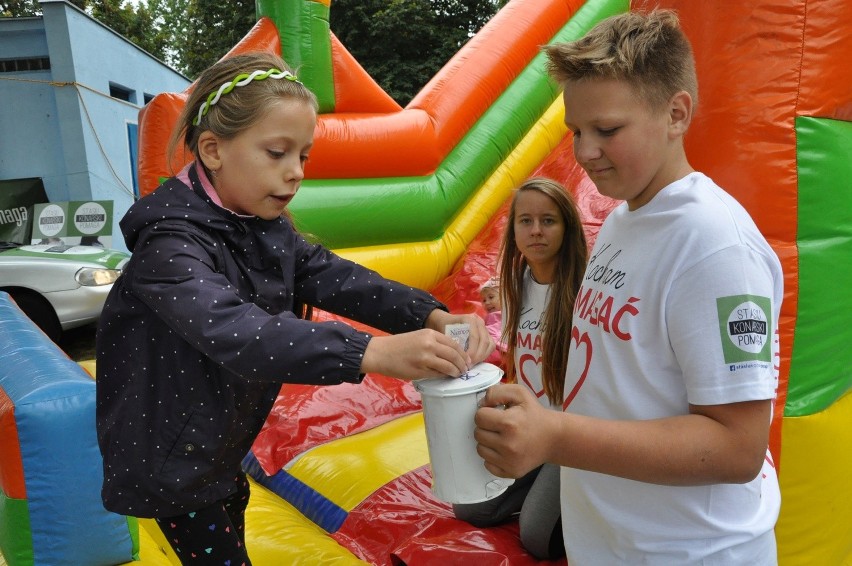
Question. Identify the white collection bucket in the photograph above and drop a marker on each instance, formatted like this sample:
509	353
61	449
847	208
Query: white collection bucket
449	405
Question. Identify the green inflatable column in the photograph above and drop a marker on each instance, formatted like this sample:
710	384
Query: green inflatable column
305	42
819	366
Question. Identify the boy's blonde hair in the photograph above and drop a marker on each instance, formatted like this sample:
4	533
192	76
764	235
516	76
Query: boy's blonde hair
649	51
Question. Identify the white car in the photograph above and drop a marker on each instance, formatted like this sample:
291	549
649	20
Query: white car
59	286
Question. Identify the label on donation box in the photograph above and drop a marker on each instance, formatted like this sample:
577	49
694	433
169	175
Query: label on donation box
449	405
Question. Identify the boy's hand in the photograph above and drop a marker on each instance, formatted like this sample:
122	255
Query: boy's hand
480	345
508	430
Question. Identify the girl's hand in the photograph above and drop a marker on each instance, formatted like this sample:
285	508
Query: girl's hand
480	345
415	355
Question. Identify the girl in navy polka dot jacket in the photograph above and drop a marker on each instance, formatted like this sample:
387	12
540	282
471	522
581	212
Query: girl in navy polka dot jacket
203	327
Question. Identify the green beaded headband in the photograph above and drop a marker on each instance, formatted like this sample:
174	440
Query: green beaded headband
241	80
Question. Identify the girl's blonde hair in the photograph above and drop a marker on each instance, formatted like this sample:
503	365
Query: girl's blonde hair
649	51
568	276
242	107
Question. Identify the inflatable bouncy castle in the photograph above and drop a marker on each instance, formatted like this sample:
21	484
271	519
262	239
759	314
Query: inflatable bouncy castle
340	474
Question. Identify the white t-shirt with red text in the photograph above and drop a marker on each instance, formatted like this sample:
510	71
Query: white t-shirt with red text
679	305
529	336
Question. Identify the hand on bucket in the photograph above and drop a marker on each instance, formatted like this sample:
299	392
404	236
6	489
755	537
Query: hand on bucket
510	425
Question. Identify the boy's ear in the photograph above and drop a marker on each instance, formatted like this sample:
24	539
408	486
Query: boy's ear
680	113
208	150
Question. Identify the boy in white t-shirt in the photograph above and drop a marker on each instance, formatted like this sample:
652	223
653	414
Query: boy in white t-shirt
672	366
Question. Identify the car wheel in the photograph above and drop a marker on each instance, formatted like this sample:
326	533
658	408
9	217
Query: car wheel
39	311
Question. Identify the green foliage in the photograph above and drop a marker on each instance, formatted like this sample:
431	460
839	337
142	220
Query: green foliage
24	8
213	28
172	23
137	24
403	43
19	8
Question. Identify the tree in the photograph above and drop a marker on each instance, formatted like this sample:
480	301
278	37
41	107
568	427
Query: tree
19	8
171	19
403	43
215	27
137	25
24	8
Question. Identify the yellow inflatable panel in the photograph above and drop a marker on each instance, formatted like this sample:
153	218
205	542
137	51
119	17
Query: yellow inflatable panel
89	366
153	548
346	471
815	526
276	534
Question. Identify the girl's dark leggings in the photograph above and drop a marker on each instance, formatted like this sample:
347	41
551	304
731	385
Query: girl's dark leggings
212	535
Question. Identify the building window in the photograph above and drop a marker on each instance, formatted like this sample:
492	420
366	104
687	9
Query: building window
122	93
133	145
147	97
18	65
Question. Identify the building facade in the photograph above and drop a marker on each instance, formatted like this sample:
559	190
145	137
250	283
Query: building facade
72	89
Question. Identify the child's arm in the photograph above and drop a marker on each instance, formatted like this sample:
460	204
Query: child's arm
428	352
712	444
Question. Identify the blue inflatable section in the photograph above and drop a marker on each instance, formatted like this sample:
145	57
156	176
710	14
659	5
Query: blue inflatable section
53	401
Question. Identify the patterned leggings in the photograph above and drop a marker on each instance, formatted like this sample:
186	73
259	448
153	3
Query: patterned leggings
213	535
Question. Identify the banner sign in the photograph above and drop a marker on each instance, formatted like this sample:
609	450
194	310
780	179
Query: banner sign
17	197
73	222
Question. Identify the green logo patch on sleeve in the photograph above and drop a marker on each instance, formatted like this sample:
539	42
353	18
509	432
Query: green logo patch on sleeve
745	323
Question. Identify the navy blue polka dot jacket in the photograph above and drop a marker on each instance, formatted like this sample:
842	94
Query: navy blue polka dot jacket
199	333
